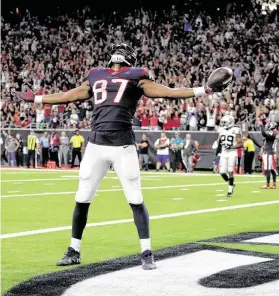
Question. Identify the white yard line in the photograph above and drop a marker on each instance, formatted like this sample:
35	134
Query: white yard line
156	217
48	179
120	189
162	173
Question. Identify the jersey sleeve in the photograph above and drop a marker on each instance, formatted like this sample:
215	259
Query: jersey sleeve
147	74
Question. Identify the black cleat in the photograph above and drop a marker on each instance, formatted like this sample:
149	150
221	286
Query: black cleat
71	257
147	260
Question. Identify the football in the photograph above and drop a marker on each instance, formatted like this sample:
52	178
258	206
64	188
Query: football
220	77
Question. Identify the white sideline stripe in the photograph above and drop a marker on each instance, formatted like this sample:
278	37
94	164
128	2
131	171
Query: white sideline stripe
120	189
156	217
48	179
171	175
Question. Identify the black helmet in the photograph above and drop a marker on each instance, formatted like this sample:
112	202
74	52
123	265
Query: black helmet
122	54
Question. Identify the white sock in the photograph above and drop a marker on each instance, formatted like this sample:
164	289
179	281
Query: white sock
230	188
145	244
75	244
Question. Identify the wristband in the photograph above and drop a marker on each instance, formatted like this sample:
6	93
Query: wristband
38	99
199	91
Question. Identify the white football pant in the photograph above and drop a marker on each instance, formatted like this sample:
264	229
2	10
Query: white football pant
227	162
269	162
96	163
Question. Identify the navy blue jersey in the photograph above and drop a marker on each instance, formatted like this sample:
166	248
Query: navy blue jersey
115	98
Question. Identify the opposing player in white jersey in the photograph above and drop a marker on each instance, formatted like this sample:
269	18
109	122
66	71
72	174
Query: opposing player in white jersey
230	140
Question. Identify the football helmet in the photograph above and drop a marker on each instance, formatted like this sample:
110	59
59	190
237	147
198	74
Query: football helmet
122	54
270	127
227	121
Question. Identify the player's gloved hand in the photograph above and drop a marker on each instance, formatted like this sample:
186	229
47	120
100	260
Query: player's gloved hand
27	96
217	88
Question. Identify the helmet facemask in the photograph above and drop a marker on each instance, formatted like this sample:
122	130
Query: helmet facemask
122	54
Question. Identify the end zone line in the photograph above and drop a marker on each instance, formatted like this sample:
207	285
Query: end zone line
120	189
156	217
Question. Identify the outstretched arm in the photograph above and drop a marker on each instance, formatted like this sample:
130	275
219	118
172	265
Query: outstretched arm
82	92
154	90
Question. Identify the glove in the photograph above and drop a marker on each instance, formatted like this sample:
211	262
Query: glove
217	88
27	96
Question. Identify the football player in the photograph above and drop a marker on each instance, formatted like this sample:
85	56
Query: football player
230	139
114	92
269	133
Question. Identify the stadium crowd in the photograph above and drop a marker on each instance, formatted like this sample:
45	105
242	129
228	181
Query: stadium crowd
181	47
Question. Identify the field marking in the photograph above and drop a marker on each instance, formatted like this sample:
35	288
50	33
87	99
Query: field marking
14	191
255	191
184	189
165	174
219	190
269	239
220	194
156	217
177	198
120	189
221	200
47	179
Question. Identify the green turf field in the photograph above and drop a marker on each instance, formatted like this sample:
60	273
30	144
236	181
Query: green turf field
44	200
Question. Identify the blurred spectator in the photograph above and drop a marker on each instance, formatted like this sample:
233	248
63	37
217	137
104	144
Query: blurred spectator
249	154
19	151
143	153
64	149
77	142
192	117
44	145
211	114
32	146
162	145
40	116
3	148
54	141
176	148
74	119
11	145
136	122
190	147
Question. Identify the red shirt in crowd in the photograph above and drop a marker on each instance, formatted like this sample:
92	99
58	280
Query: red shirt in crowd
144	120
54	140
176	121
168	124
26	123
47	109
154	121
